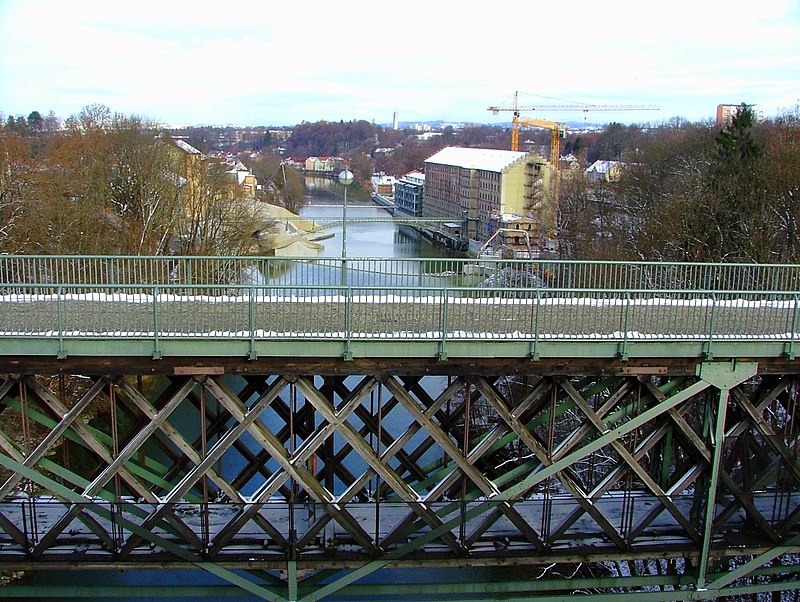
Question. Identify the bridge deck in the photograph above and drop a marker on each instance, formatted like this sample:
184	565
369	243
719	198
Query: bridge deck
437	309
208	522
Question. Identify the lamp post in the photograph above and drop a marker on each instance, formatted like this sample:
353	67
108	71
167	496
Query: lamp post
345	179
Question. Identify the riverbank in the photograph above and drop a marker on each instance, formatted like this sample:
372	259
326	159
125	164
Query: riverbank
291	235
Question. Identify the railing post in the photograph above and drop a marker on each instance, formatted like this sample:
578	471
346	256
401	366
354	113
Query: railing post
535	318
443	326
623	352
789	353
348	309
709	353
156	350
62	353
251	319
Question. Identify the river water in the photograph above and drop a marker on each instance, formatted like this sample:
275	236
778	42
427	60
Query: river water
365	238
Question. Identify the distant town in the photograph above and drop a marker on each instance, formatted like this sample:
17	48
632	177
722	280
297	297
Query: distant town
529	188
491	201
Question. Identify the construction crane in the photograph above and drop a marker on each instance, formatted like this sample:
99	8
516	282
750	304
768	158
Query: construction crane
559	131
516	120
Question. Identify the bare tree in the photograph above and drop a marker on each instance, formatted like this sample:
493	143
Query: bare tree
15	175
144	188
215	218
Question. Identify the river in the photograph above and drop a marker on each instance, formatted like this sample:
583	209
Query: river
364	238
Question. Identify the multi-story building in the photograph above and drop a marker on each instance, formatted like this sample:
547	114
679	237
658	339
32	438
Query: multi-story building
726	113
479	188
408	192
383	185
323	164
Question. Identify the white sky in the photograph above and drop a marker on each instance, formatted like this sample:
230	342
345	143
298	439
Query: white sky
264	63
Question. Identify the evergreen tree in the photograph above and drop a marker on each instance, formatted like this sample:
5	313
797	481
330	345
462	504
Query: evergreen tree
735	193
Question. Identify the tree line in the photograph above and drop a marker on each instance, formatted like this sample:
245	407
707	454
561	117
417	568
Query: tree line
693	192
104	183
108	183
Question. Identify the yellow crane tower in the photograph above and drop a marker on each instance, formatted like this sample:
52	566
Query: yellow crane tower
559	131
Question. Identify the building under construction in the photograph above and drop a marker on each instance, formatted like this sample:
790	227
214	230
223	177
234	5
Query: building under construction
493	196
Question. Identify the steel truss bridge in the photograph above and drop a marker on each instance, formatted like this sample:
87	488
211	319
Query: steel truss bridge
328	429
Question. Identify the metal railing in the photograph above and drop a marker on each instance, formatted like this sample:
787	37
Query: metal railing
393	313
397	272
245	298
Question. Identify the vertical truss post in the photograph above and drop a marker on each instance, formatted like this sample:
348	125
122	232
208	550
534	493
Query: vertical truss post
724	377
291	578
713	482
462	528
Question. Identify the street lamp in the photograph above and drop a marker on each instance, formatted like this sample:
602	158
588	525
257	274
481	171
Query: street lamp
345	179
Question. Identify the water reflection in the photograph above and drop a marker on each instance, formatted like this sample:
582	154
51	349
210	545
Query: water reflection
366	236
370	234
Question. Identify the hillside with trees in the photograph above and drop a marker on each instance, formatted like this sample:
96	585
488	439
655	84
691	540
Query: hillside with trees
691	192
111	184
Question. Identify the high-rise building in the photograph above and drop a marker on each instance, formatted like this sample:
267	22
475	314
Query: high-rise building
395	122
725	114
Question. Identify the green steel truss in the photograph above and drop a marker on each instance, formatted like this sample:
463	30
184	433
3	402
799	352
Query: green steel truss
301	479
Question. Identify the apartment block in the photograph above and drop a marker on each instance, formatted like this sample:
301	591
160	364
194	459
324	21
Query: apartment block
408	192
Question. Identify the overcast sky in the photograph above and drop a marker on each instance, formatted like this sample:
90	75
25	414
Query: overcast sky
264	63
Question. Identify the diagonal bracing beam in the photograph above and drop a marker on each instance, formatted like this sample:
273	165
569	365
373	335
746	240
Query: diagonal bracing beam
70	496
204	466
116	465
406	493
293	467
632	464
